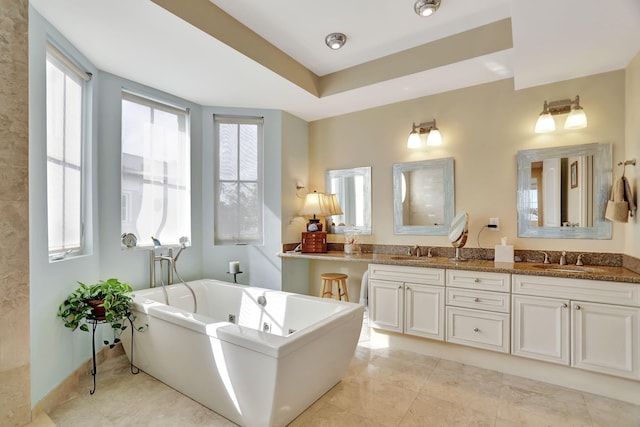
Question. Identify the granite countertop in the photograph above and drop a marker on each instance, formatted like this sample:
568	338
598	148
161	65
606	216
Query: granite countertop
590	272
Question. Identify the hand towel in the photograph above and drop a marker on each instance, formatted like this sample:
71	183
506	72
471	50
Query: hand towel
364	290
617	206
628	195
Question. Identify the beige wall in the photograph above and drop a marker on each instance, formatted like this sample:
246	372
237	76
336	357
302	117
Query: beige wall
632	149
15	404
482	127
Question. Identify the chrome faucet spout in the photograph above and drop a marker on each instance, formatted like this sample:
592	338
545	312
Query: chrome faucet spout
563	258
546	258
418	251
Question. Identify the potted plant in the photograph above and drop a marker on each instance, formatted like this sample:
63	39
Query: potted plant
107	301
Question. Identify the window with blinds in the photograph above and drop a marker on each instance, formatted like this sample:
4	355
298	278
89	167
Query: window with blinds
238	180
66	84
156	170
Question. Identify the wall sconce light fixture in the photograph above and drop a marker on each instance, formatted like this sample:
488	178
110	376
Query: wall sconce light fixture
301	191
426	7
576	119
434	137
335	40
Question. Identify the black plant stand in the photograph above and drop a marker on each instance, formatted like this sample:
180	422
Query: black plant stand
94	370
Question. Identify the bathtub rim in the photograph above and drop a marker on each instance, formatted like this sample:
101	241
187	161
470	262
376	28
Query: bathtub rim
263	342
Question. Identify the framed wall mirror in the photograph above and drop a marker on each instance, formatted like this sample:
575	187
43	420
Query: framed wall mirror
563	192
352	188
423	197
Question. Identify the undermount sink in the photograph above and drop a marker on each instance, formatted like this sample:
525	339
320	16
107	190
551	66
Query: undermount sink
569	268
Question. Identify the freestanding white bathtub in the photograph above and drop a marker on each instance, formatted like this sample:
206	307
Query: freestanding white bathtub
255	365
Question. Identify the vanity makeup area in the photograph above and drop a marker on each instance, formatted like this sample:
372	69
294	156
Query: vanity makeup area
572	325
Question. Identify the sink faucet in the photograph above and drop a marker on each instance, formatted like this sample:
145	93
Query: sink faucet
418	251
563	258
429	253
579	260
546	258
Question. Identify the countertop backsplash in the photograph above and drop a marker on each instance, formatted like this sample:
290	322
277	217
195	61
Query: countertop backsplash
521	255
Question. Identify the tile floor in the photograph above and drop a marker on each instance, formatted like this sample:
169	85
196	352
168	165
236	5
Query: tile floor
382	388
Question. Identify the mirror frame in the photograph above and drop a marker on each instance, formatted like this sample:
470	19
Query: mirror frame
602	177
346	173
446	165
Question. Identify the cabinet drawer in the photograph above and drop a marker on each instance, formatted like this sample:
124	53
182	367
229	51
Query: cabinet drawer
482	300
578	289
314	242
400	273
481	280
478	328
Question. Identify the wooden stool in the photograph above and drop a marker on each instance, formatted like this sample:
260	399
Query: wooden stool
341	285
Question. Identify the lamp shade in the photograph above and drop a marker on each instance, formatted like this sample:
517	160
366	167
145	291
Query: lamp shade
414	140
434	137
331	201
576	119
314	205
545	123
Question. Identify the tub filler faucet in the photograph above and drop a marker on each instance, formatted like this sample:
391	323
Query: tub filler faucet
170	260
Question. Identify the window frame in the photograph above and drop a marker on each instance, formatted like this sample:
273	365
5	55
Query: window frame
239	120
166	107
70	66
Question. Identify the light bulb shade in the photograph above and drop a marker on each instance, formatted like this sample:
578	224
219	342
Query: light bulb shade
414	140
335	40
331	201
426	7
576	119
434	137
314	205
545	123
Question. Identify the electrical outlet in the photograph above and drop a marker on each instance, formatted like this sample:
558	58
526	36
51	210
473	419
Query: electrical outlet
496	222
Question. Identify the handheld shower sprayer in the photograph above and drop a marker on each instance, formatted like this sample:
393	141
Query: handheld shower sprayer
184	244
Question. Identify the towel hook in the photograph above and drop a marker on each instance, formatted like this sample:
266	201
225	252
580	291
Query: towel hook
624	164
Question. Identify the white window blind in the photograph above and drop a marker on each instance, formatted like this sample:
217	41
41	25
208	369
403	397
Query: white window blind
238	186
156	170
65	87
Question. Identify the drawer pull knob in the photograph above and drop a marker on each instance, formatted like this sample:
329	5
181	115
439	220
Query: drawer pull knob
565	305
476	280
399	286
476	330
578	307
408	288
476	299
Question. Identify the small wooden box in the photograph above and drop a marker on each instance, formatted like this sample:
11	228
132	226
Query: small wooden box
314	242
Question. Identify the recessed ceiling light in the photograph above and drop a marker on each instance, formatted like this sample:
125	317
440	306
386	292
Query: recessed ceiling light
426	7
335	40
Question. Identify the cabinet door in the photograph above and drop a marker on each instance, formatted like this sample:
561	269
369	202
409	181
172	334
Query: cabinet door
386	300
606	338
540	328
424	310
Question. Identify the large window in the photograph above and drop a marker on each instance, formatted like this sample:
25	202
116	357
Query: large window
156	175
238	185
65	83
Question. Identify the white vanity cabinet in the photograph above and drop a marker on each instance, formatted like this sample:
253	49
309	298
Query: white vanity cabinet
409	300
478	307
588	324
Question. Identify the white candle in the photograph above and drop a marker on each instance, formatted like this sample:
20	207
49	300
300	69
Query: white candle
234	267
